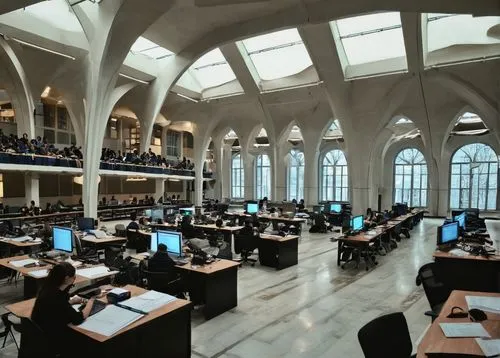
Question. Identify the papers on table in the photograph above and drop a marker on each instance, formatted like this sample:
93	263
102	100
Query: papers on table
488	304
117	291
148	301
458	252
76	307
94	272
21	263
22	238
110	320
461	330
490	347
39	273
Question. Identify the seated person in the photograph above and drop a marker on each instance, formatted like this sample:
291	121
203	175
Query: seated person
249	229
160	261
301	206
273	213
53	311
133	225
369	218
143	221
188	230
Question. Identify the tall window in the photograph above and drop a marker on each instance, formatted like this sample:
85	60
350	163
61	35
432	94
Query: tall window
173	138
474	177
237	178
334	181
410	178
296	175
263	176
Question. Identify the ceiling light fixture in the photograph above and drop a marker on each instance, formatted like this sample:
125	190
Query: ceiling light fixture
29	44
186	97
136	179
293	87
134	78
171	179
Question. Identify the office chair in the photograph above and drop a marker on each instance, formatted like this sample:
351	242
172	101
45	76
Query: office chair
136	241
35	342
245	245
120	230
9	325
373	337
84	252
435	291
165	282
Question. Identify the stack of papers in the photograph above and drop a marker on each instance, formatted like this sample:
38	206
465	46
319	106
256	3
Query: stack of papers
39	273
22	238
462	330
21	263
110	320
487	304
94	272
490	347
148	301
458	252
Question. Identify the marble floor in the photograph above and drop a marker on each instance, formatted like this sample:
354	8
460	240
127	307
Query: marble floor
314	309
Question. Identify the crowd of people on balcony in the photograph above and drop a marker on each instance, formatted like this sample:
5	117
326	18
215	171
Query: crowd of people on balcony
146	158
39	146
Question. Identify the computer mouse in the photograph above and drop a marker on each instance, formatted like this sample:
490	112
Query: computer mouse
477	315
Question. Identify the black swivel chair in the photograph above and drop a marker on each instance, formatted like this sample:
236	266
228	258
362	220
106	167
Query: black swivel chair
8	327
35	342
166	282
245	245
120	230
136	241
435	291
373	337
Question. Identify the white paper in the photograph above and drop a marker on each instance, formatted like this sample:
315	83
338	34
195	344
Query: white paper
148	301
21	263
93	272
110	320
76	307
490	347
458	252
99	234
488	304
461	330
39	273
22	238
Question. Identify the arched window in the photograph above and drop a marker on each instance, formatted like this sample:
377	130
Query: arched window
296	175
410	178
237	178
334	182
262	176
474	177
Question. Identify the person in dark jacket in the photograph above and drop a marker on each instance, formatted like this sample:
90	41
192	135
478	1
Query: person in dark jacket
53	311
133	225
160	261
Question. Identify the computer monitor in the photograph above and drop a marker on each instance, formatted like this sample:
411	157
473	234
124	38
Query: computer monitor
252	208
85	224
335	208
62	238
317	209
357	223
447	233
173	240
153	245
186	211
148	213
461	220
156	214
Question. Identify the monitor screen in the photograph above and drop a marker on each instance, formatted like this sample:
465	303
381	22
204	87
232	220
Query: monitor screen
85	224
252	208
317	209
172	239
461	220
186	211
156	214
63	239
449	233
148	213
335	208
153	246
357	223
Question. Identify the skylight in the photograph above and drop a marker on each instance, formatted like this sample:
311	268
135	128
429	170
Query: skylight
212	70
469	118
150	49
278	54
445	30
55	12
231	135
403	120
371	38
334	131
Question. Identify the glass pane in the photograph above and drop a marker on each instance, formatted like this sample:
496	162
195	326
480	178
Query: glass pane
492	200
454	198
49	135
62	138
49	116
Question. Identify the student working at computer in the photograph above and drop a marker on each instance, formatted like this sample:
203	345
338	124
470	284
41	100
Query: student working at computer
161	261
53	311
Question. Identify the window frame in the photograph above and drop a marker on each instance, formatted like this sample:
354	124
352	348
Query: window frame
296	164
240	186
260	169
344	185
412	176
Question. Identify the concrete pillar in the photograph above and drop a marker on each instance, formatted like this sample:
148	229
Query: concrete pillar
311	180
32	188
159	189
219	165
281	173
164	141
226	167
278	171
249	172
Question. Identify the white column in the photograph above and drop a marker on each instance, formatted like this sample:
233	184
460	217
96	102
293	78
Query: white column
249	172
311	169
164	141
159	189
32	188
280	173
227	162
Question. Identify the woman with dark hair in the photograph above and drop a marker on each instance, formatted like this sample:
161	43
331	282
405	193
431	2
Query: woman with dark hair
53	311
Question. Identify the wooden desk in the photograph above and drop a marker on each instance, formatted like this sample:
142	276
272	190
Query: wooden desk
165	331
18	244
215	284
362	240
32	284
278	251
472	273
435	342
226	252
91	239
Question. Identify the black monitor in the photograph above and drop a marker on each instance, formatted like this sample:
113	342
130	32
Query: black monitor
447	234
186	211
85	224
460	218
252	207
156	214
317	209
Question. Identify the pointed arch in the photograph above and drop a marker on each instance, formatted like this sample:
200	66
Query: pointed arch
334	185
410	178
